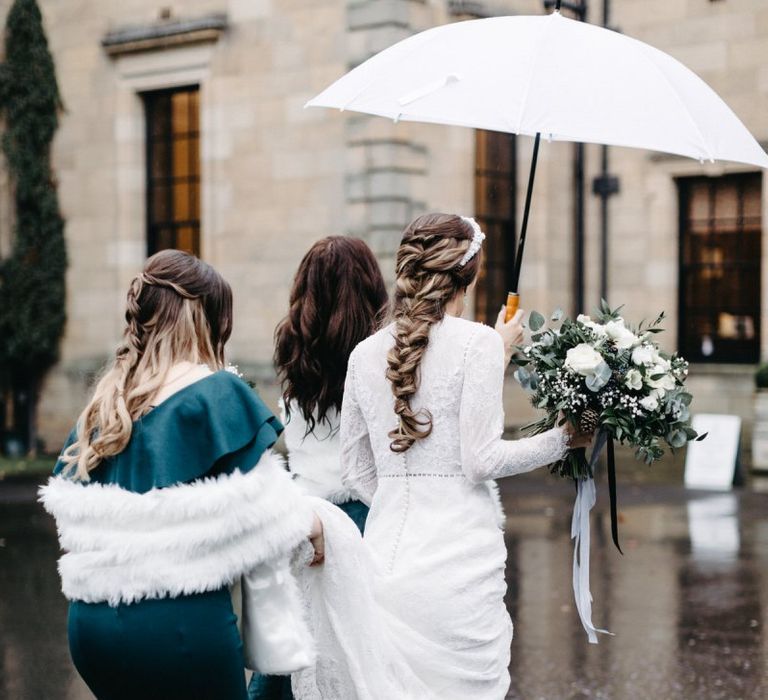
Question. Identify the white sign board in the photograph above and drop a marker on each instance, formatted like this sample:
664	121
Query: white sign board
711	463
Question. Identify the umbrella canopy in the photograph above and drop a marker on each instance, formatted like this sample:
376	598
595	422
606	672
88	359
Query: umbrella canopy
568	80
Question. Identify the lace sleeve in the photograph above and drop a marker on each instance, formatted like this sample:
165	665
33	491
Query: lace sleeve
484	454
358	467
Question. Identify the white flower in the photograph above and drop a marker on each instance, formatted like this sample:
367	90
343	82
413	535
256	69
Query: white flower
663	383
649	403
597	328
634	380
583	359
644	355
620	334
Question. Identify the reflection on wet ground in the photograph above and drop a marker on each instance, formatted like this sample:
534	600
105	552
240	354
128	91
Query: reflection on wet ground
687	603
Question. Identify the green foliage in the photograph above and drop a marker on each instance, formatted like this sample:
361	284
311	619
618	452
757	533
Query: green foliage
761	377
607	368
32	279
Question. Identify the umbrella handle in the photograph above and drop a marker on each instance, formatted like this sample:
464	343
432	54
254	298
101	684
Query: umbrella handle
513	303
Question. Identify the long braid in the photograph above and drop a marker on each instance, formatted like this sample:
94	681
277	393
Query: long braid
428	277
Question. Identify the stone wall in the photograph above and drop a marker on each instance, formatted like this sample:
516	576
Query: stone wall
275	177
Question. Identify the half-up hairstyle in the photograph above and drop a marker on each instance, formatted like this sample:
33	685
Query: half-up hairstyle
178	309
428	277
337	300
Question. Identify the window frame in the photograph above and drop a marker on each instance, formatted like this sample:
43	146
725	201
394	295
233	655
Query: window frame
193	178
685	185
499	227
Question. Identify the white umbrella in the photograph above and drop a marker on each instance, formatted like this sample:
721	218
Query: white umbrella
550	76
568	80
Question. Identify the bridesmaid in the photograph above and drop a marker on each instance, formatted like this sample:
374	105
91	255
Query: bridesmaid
337	300
165	494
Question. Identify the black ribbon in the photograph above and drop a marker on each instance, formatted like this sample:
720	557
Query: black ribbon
612	492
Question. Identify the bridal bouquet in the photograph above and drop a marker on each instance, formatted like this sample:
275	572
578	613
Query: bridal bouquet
603	375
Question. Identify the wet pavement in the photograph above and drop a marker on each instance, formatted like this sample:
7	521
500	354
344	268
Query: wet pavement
688	603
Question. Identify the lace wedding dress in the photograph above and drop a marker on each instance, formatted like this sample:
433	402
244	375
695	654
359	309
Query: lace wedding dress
416	610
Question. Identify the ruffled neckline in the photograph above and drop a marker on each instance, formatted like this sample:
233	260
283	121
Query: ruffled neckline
212	426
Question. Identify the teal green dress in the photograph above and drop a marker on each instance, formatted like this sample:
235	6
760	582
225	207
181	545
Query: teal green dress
189	646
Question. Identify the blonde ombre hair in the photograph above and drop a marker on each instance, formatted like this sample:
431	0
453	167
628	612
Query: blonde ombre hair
178	309
429	274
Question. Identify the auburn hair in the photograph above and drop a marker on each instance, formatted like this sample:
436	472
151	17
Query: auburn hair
428	277
177	309
338	299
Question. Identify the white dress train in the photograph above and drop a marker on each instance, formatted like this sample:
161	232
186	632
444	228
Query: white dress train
416	609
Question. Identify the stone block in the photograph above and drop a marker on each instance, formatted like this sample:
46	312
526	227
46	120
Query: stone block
249	10
704	58
372	14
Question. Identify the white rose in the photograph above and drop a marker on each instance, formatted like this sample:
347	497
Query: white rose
620	334
643	355
583	359
649	403
584	319
634	380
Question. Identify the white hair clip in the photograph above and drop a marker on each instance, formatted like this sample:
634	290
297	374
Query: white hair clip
477	241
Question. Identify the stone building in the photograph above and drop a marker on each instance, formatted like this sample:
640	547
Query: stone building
184	126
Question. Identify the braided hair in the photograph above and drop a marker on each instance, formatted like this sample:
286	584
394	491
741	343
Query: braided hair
429	275
178	309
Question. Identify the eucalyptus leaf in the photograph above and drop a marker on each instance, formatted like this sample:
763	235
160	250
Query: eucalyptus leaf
536	321
677	438
595	383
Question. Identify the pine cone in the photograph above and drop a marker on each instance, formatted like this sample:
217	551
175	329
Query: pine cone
589	421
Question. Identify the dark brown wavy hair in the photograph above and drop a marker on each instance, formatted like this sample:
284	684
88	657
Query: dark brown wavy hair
338	299
428	276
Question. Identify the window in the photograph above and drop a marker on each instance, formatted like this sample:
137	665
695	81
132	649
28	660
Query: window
720	250
173	169
495	210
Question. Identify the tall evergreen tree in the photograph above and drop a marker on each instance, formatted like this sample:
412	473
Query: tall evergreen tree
32	278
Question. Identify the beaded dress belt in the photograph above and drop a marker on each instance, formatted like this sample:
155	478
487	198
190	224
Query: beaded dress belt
437	475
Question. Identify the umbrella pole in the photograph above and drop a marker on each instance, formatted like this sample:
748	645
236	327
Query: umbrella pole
513	298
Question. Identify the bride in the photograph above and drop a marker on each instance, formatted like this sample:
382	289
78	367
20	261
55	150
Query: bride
421	439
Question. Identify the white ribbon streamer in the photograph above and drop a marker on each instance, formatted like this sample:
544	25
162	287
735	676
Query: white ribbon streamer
585	500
